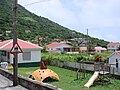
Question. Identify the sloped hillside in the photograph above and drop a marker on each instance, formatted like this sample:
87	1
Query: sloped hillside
31	26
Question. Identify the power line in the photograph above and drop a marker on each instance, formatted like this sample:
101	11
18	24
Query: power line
36	2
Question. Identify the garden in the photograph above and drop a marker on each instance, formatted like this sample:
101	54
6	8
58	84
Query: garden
68	79
76	57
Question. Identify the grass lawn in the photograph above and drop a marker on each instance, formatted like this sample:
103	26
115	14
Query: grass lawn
68	82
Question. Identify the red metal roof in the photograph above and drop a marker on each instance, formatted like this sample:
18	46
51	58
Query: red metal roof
100	48
53	44
113	43
117	52
8	44
83	48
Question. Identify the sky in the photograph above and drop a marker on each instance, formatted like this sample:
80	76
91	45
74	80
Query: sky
100	17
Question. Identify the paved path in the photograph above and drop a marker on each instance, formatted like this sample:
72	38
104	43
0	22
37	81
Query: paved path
6	84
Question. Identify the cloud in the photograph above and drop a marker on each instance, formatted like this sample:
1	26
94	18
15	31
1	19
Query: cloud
54	10
99	13
112	37
101	17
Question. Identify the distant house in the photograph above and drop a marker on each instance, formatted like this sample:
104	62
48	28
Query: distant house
100	49
62	47
113	46
114	59
8	32
83	49
27	31
31	53
57	39
81	41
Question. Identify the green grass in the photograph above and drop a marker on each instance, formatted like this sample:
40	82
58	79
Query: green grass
74	57
68	82
29	19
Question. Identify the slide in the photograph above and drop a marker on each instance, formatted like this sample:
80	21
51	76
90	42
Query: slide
92	79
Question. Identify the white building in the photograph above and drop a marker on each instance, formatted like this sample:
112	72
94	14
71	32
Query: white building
100	49
62	47
83	49
114	60
31	53
113	46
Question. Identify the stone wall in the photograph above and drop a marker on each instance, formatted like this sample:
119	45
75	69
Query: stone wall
28	83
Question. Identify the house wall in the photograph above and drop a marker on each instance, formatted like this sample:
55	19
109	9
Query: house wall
112	60
59	47
113	47
98	51
3	56
35	57
72	52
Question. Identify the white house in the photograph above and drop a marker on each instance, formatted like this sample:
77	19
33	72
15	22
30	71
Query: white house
83	49
100	49
114	59
62	47
31	53
113	46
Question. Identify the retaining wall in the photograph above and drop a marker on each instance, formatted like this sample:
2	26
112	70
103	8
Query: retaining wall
28	83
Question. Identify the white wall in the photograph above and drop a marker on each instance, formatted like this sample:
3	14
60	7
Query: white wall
35	56
112	60
61	46
72	52
113	48
98	51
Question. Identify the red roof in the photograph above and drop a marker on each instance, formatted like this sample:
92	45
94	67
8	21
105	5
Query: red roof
100	48
83	48
8	44
53	44
113	43
117	52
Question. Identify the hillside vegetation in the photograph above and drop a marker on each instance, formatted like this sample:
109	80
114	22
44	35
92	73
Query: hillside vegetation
36	25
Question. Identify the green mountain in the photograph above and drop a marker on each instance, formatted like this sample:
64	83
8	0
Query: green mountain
31	26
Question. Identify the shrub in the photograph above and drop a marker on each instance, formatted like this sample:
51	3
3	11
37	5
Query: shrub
79	58
98	58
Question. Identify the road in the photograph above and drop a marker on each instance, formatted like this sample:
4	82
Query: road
6	84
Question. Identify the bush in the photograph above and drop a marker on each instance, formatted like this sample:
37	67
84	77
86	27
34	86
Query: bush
98	58
73	57
79	58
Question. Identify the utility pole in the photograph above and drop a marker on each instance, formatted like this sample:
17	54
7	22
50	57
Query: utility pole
15	59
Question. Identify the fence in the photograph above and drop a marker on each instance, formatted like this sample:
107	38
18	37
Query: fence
75	65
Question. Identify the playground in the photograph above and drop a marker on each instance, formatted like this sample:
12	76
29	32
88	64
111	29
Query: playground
68	79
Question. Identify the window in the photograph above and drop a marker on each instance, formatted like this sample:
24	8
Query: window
26	56
4	53
58	48
112	46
